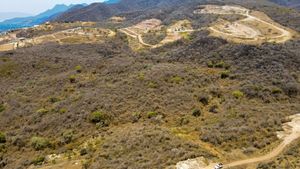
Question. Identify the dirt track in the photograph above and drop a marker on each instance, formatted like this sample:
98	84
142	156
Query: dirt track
137	36
243	31
172	35
290	134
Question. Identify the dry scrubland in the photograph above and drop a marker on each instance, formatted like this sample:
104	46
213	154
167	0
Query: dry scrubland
167	98
108	105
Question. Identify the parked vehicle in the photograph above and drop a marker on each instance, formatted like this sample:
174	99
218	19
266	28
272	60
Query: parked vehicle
219	166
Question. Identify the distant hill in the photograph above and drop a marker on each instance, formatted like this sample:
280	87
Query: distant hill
111	1
102	11
289	3
9	15
34	20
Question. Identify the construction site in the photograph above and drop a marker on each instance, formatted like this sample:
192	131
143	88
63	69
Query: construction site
178	30
254	28
69	36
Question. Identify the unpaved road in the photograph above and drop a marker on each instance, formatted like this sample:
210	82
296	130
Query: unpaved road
251	34
135	35
290	134
277	151
285	35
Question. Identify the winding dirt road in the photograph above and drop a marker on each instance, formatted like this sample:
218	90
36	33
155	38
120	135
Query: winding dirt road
290	134
240	30
135	35
277	151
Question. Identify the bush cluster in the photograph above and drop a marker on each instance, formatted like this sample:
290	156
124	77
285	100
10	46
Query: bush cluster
2	137
39	143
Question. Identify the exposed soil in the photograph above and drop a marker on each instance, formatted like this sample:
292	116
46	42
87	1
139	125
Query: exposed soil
244	31
289	135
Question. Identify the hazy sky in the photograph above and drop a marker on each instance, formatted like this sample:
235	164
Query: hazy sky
35	6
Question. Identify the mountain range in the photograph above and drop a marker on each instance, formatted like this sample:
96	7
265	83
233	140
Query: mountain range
49	15
290	3
8	15
102	11
97	11
35	20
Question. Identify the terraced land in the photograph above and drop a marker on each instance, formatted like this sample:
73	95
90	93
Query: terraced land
255	28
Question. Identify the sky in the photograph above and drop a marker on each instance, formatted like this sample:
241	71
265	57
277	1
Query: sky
36	6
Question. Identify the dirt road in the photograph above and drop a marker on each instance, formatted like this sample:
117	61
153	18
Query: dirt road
241	30
175	36
290	134
285	35
277	151
132	34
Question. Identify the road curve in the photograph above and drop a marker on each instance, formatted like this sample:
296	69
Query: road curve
277	151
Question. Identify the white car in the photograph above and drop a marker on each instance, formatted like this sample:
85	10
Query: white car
219	166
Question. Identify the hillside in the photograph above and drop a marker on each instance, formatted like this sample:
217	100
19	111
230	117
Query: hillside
8	15
289	3
151	84
102	11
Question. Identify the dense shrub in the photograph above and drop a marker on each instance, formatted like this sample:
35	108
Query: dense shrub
2	108
78	69
214	109
276	90
152	85
2	137
220	64
151	114
42	111
99	118
18	141
39	143
225	74
38	160
267	165
210	64
62	110
135	117
238	94
54	99
83	151
291	89
72	78
67	137
196	112
176	79
204	99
